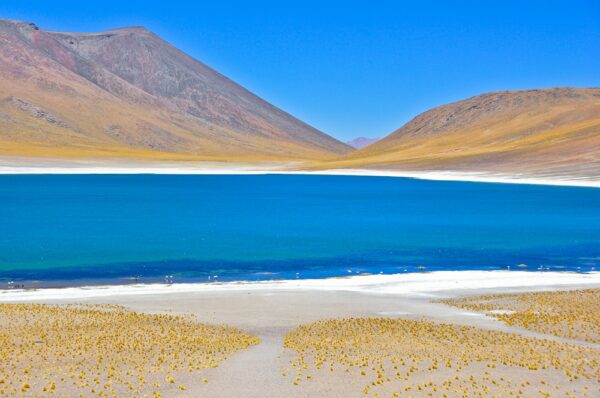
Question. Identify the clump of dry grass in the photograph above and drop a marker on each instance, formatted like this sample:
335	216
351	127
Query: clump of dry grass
571	314
396	357
106	351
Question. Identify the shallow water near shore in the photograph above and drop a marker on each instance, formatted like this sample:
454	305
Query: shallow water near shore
81	229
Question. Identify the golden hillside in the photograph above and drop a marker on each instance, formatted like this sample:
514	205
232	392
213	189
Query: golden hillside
127	93
543	132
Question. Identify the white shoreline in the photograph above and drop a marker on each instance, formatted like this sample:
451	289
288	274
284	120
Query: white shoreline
283	169
415	284
451	175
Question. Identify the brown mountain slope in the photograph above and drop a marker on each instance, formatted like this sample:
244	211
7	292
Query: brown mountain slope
544	132
128	93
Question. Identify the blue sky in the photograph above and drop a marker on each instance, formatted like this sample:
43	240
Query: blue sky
357	68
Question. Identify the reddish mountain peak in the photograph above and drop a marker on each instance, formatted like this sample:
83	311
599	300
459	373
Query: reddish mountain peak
128	88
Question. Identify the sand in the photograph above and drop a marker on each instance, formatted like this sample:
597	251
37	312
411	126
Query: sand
272	309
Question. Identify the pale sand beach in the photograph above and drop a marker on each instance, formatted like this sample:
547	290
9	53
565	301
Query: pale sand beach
270	310
9	166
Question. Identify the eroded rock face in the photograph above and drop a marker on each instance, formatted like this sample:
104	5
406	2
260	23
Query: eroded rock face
131	78
36	111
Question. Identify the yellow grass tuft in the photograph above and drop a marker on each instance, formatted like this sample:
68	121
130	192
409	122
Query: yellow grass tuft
397	357
82	350
569	314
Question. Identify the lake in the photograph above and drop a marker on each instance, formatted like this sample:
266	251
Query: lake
76	229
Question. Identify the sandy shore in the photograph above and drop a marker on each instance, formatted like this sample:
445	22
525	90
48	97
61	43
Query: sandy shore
271	309
48	166
427	284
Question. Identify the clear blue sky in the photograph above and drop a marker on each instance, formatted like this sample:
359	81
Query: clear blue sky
354	68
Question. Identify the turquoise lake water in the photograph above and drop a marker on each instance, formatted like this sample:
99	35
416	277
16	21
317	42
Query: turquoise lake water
73	229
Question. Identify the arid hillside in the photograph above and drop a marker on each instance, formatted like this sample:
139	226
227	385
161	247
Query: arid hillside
537	132
126	93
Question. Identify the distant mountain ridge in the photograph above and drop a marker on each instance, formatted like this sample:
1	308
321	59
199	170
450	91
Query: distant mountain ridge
126	92
361	142
543	132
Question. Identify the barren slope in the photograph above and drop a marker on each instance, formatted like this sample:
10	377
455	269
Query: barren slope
540	132
127	93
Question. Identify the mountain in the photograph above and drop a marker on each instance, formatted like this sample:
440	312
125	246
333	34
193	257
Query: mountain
538	132
128	93
361	142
